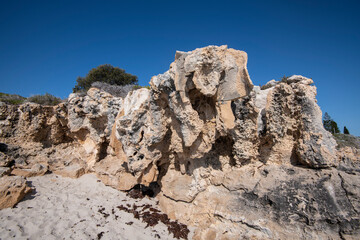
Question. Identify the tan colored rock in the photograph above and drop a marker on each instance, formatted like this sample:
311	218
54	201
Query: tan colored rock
91	118
36	170
12	190
112	173
349	153
189	107
72	171
4	171
206	135
232	159
115	144
45	124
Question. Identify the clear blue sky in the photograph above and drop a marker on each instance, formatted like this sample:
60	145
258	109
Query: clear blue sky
46	45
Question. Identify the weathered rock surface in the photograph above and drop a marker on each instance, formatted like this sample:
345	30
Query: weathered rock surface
206	97
232	159
36	170
51	135
34	123
91	118
187	109
72	171
4	171
239	157
12	190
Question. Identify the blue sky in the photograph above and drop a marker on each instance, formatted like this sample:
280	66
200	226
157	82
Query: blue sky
46	45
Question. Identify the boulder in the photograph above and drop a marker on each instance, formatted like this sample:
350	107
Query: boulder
36	170
12	190
71	171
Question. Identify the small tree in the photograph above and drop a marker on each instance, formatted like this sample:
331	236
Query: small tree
346	131
329	124
284	78
104	73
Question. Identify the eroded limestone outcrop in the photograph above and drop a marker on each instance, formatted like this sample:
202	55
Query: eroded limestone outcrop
207	99
232	159
186	110
90	121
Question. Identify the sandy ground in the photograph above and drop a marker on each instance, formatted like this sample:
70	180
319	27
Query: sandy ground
84	208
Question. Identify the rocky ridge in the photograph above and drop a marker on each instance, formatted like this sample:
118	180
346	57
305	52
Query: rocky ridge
220	154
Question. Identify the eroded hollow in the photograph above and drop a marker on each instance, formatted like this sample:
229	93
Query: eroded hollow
203	105
103	150
224	147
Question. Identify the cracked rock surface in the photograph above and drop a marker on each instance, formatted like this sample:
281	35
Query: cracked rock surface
236	160
232	159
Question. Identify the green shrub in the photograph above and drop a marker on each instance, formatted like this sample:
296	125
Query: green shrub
346	131
46	99
104	73
347	140
12	99
284	78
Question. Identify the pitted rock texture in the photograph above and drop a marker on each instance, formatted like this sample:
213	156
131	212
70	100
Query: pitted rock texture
34	123
186	110
271	202
12	190
232	159
91	118
208	137
35	132
207	96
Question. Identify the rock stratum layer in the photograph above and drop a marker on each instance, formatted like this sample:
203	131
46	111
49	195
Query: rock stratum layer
232	159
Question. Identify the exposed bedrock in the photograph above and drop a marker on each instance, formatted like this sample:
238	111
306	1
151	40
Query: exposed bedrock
232	159
235	159
206	100
76	132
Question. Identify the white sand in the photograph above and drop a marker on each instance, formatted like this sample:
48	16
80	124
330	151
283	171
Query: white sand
65	208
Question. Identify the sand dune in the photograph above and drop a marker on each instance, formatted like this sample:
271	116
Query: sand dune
84	208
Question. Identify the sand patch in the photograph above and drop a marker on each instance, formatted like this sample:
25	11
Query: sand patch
83	208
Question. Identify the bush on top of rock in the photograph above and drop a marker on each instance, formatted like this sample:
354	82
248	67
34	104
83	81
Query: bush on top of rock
105	73
12	99
46	99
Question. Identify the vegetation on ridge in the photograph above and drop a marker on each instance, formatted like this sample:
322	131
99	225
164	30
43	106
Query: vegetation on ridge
14	99
46	99
105	73
329	124
346	140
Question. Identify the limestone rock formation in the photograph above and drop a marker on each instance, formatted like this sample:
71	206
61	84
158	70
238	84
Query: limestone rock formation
232	159
46	134
207	96
187	109
90	121
12	190
234	154
34	123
